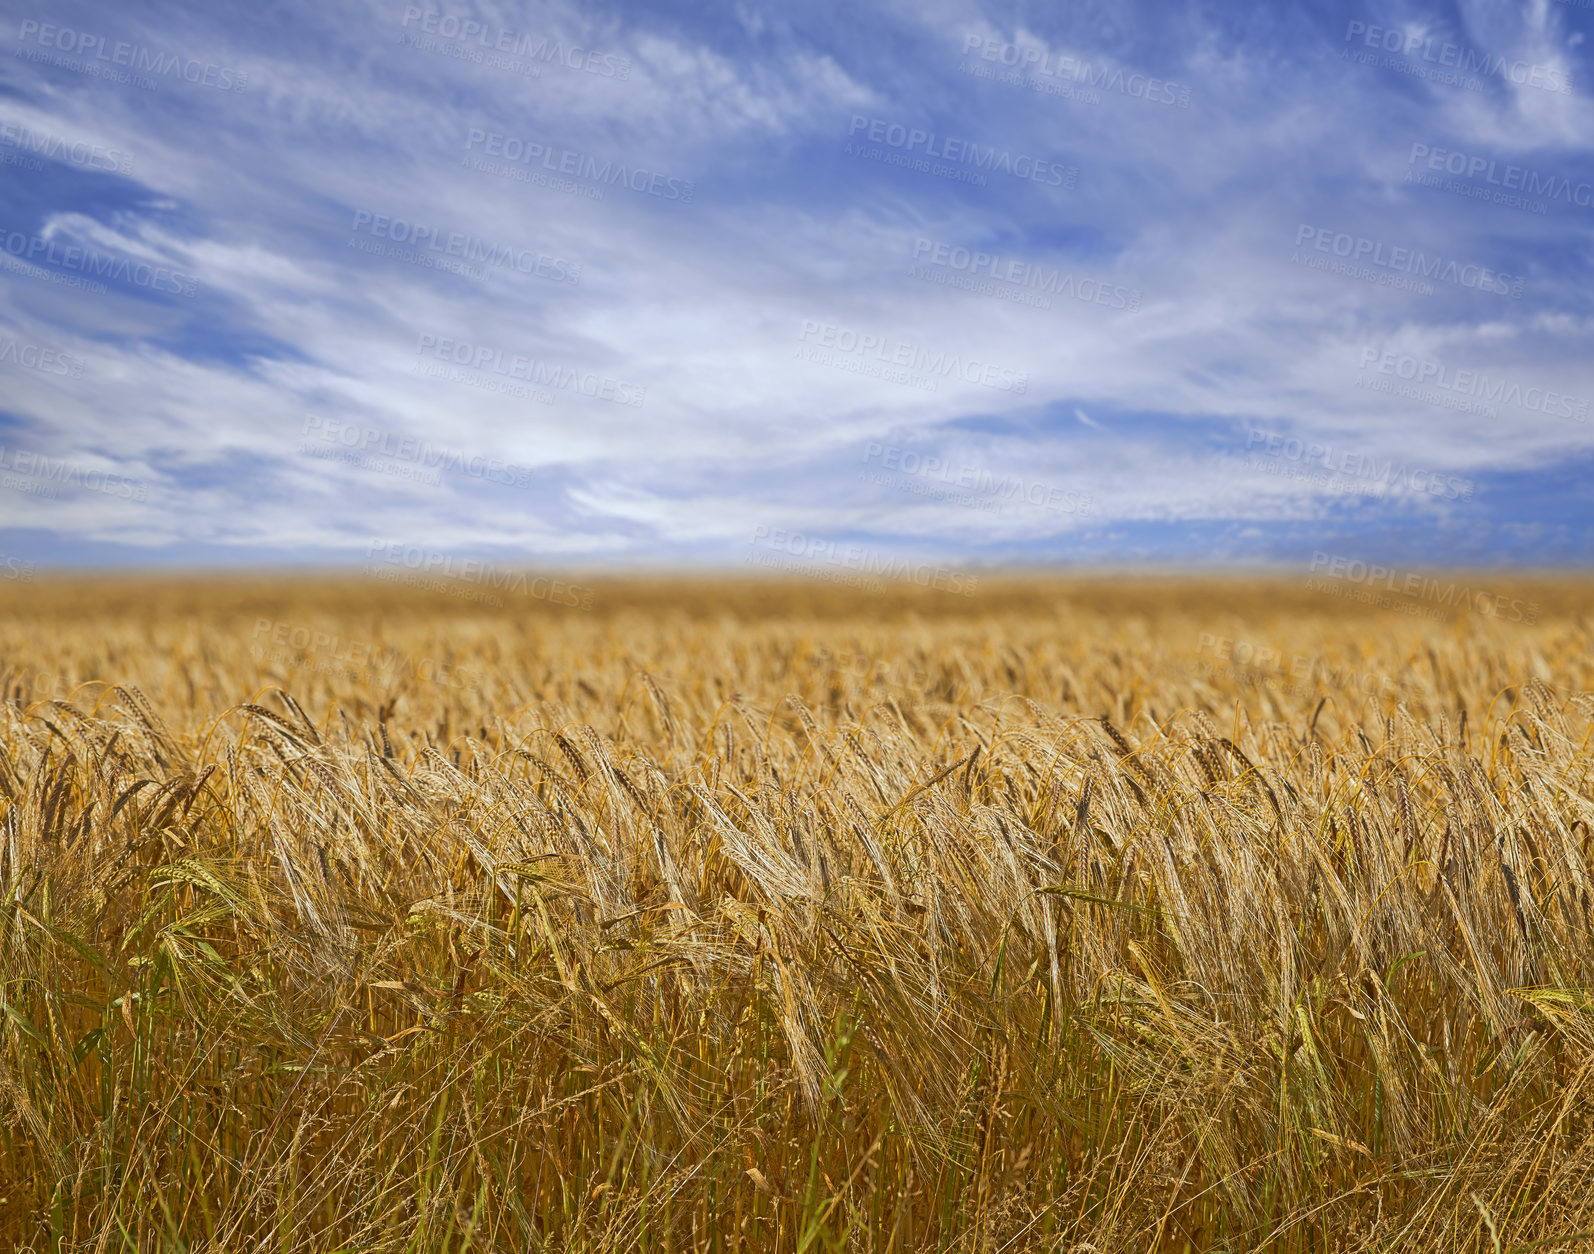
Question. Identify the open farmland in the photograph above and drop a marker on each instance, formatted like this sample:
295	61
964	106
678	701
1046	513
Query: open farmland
1072	915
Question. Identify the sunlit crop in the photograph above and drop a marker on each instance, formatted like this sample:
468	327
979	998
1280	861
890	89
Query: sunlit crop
1072	916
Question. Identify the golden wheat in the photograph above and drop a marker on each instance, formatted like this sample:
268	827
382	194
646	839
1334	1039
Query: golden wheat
1086	915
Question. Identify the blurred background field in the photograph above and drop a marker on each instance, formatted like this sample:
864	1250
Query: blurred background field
1100	913
198	645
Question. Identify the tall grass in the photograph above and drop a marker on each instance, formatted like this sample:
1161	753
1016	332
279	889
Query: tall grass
741	925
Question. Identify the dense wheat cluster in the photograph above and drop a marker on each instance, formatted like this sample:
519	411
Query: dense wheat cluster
1067	916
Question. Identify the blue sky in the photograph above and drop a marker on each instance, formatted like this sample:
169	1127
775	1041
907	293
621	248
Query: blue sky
758	285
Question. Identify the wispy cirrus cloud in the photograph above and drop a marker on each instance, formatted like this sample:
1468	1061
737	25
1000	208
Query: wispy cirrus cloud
686	270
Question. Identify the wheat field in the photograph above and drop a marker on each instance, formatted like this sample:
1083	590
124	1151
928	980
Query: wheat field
1095	915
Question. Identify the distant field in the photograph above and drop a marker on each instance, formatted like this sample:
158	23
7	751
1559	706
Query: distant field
1098	915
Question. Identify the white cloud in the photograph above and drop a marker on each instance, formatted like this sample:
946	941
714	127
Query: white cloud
708	304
